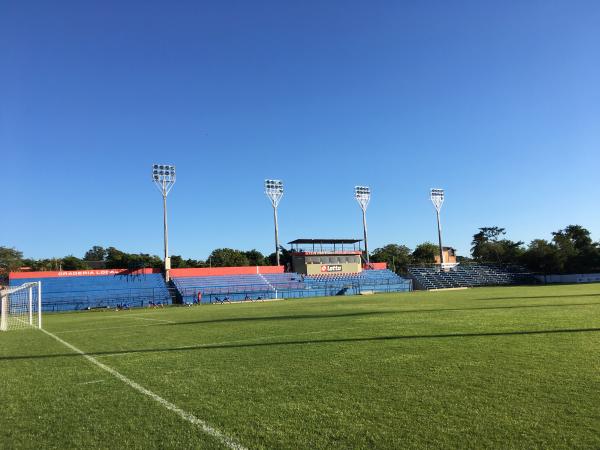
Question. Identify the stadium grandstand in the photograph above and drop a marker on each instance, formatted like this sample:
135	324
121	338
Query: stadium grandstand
328	267
271	282
96	289
319	267
234	283
437	276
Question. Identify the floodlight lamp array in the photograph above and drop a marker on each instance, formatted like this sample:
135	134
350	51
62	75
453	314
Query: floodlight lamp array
164	177
274	190
362	195
163	172
437	198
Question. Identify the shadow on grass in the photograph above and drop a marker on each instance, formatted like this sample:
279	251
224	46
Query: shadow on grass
288	317
312	342
369	313
530	297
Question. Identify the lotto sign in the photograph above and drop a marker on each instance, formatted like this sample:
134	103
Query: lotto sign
331	268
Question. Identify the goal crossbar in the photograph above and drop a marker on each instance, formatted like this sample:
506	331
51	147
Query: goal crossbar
21	307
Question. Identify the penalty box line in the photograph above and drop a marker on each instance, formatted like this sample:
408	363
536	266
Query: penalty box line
206	428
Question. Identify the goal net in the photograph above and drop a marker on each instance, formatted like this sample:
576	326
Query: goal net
21	307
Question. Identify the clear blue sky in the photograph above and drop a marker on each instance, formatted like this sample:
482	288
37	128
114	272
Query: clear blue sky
497	102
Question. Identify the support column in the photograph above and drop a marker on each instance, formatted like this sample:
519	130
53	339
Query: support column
365	235
276	235
440	238
166	240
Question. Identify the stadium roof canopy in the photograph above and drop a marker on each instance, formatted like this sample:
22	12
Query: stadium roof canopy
325	241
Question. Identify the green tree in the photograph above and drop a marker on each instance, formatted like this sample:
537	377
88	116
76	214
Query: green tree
542	257
483	245
396	256
11	259
512	251
116	259
143	260
255	258
285	258
425	253
577	252
177	262
228	257
487	247
43	264
195	263
96	253
73	263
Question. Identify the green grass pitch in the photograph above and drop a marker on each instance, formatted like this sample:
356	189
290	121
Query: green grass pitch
511	367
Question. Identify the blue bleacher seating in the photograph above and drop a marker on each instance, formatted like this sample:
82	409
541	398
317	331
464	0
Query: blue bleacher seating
287	285
236	287
91	292
368	280
87	292
468	275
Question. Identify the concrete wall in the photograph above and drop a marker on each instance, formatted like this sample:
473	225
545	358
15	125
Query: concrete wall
80	273
216	271
570	278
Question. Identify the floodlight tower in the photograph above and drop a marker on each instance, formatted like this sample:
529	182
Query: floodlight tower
163	176
274	190
363	196
437	198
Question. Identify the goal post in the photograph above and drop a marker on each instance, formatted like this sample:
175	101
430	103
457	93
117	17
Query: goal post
21	307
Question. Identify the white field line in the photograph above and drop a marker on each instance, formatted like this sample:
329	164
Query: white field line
154	320
267	281
92	382
78	330
138	317
217	344
18	319
205	427
118	328
245	302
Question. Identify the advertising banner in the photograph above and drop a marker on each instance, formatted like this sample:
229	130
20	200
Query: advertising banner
331	268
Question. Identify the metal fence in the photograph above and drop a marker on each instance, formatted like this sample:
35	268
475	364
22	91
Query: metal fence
107	298
143	297
211	294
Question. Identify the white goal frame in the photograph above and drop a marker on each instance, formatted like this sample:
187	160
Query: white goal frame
21	307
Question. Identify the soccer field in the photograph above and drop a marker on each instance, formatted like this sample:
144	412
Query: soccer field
514	367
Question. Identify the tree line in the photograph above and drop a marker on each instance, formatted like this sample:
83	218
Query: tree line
12	259
570	250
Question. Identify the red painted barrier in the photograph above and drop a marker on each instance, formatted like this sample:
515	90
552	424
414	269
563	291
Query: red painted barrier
376	266
80	273
220	271
351	252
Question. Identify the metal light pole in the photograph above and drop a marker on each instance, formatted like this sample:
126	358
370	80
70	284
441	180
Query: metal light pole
363	196
437	198
274	190
163	177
